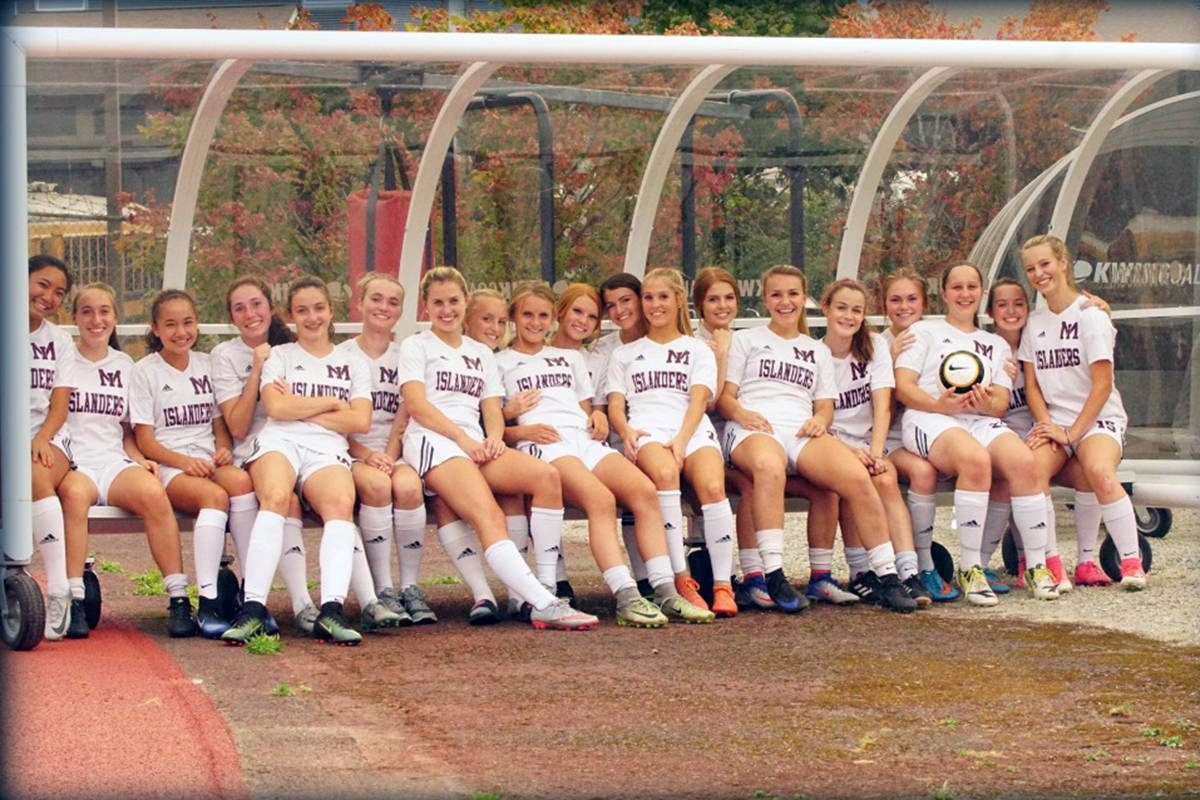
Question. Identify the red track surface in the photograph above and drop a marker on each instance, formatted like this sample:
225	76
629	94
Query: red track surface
112	716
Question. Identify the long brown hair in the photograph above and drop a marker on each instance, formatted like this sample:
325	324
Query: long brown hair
113	341
789	270
861	346
311	282
277	330
153	343
904	274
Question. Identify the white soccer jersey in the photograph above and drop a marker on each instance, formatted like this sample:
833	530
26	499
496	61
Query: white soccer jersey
180	404
1062	347
596	360
1018	416
656	379
99	404
385	392
780	378
935	339
559	374
854	409
231	362
339	374
52	351
455	379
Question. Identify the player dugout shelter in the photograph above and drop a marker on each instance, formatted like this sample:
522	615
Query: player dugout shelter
570	157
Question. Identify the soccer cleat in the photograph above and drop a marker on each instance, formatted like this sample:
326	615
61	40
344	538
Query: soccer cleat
752	592
1133	577
331	627
304	620
784	594
78	628
640	613
645	589
251	621
938	589
1040	582
974	586
208	617
1088	573
893	595
417	606
564	591
180	622
519	610
1061	582
866	587
484	613
560	616
270	626
824	589
392	602
376	615
917	591
58	616
677	609
690	590
994	583
723	604
1021	572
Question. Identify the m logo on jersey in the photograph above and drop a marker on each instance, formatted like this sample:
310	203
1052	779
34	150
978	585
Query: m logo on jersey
110	378
388	375
1068	330
339	372
43	353
858	371
984	350
473	363
679	357
201	385
557	361
804	355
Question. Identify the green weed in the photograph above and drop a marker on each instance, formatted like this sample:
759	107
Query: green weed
282	690
1171	741
943	793
1192	765
949	723
1151	731
260	644
483	796
866	740
1096	755
442	580
148	583
107	565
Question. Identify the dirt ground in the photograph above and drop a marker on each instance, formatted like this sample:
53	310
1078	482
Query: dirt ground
852	702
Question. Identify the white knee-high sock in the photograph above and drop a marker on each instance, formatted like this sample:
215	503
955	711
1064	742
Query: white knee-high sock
882	559
510	568
409	526
361	581
770	548
208	545
49	533
970	512
243	509
1029	515
338	542
672	514
376	525
1122	527
993	529
629	535
719	534
293	564
262	556
1051	529
1087	525
463	547
545	529
923	508
517	526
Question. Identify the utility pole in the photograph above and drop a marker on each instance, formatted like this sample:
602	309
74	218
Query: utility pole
112	162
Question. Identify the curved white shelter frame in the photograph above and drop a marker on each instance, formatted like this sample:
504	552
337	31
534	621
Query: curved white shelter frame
234	50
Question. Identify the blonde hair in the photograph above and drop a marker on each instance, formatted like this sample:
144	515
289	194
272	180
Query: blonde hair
791	272
860	343
367	279
442	275
674	281
476	296
905	274
1057	246
534	289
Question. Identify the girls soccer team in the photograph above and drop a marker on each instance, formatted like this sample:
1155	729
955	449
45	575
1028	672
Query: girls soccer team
240	438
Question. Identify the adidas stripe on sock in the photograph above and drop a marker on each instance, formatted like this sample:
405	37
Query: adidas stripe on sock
293	564
512	570
375	522
970	512
719	534
922	508
409	527
361	581
49	533
1029	515
466	553
672	514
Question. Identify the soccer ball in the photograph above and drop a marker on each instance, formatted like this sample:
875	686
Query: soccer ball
963	369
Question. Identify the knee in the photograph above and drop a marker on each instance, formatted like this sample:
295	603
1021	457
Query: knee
545	481
277	499
710	490
43	487
663	476
240	484
375	490
601	501
1102	479
408	493
886	481
975	468
217	498
151	500
769	473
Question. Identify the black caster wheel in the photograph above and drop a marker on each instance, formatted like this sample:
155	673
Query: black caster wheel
228	590
1008	551
943	562
1153	522
1110	560
91	596
700	566
24	619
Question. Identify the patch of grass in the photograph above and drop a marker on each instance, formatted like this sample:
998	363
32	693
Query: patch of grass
194	595
108	565
483	796
1151	731
282	690
1012	768
866	741
148	583
949	723
962	752
1122	710
1184	724
1171	741
943	793
759	794
441	580
1096	755
1192	765
260	644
